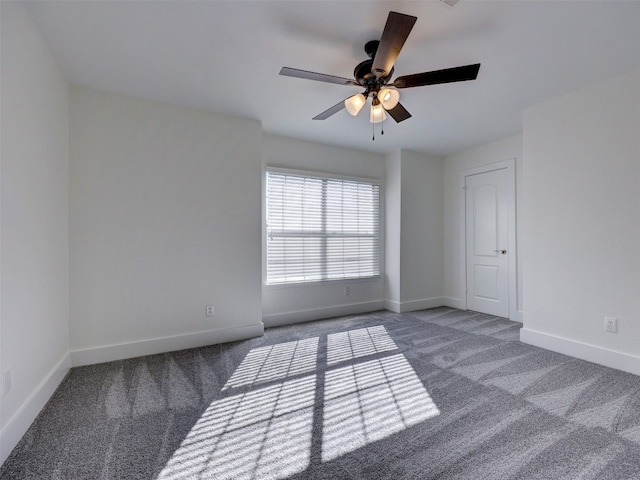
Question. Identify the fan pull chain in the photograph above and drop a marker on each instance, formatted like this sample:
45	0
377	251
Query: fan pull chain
382	126
373	129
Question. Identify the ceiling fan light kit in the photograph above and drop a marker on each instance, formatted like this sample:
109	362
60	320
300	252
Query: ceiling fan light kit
354	104
377	113
375	75
389	98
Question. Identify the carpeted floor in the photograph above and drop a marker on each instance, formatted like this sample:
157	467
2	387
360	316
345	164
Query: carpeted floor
435	394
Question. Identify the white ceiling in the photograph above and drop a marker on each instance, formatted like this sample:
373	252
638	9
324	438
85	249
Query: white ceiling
225	56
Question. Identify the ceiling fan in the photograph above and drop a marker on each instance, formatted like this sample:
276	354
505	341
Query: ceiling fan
375	75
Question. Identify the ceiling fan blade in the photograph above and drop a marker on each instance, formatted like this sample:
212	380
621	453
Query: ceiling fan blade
320	77
330	111
395	33
399	113
448	75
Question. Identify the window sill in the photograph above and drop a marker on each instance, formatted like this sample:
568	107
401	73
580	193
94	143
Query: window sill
319	283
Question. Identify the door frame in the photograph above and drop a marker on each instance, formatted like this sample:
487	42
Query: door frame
510	165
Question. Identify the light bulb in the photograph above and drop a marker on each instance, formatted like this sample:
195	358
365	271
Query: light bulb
377	114
389	98
354	104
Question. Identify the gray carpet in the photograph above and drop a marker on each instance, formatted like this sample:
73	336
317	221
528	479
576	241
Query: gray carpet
435	394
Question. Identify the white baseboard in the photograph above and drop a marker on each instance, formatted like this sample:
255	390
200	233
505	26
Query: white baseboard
520	316
17	426
584	351
153	346
300	316
413	305
452	302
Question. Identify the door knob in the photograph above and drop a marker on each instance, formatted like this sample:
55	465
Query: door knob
503	252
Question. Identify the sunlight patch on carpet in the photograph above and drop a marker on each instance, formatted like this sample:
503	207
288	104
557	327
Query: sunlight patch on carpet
358	343
265	433
275	362
370	401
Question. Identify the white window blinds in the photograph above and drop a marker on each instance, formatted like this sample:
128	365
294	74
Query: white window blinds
321	228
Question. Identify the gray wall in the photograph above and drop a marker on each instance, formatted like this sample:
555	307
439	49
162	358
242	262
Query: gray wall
164	219
582	231
34	332
414	227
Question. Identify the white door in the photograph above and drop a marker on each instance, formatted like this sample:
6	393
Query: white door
486	217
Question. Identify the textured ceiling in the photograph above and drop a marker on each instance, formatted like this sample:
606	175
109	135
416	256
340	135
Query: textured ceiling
225	56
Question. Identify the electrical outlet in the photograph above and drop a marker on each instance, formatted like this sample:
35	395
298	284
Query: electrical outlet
611	324
6	382
210	311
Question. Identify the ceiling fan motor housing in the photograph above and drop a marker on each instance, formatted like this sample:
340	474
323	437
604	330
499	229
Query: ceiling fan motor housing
363	72
371	47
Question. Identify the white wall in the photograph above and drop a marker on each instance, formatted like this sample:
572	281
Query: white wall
35	280
282	304
582	198
421	251
164	219
414	225
393	228
454	285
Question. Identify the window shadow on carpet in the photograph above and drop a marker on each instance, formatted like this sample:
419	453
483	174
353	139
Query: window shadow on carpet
311	400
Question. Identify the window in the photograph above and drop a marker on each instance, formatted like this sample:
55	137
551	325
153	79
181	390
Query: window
321	228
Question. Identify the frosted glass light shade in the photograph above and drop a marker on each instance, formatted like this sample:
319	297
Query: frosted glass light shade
354	104
389	98
377	114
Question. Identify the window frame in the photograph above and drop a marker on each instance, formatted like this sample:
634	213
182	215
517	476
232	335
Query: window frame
322	176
